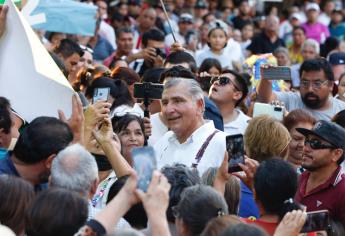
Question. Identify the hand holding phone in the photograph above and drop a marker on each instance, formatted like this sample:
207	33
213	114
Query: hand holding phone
144	163
276	73
316	221
100	94
235	149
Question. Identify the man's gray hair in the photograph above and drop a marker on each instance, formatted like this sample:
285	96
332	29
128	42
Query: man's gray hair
312	43
191	85
74	168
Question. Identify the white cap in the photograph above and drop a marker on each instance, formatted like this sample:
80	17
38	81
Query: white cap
296	15
312	6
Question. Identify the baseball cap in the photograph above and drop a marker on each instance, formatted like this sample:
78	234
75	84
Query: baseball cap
296	15
328	131
337	58
186	18
218	24
134	2
312	6
200	5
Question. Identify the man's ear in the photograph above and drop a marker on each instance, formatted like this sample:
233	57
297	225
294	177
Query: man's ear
201	105
49	160
94	186
237	95
338	153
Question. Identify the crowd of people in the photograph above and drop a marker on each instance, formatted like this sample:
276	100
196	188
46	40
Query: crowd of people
77	175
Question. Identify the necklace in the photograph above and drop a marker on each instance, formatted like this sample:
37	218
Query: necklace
100	194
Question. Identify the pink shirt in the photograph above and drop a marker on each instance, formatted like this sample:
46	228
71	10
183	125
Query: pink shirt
316	31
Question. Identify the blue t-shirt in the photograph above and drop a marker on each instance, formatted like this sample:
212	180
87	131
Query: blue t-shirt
7	168
3	153
248	207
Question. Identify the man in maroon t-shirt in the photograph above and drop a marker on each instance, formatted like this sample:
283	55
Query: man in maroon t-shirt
322	185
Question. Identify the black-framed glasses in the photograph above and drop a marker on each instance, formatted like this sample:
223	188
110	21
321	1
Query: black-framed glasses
314	84
317	144
223	80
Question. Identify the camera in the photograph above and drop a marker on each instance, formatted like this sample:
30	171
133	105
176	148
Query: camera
148	90
161	52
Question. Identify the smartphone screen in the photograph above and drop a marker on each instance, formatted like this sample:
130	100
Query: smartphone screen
277	73
100	94
316	221
235	149
144	163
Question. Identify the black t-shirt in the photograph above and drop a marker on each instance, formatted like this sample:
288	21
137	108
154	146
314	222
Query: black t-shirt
262	44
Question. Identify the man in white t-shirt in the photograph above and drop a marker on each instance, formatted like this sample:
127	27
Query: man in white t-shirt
191	140
315	94
227	92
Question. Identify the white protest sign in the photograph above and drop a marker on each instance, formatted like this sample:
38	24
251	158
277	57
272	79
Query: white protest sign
29	77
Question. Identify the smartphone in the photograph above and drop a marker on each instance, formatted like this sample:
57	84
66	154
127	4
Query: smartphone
144	163
316	221
268	109
235	149
100	94
277	73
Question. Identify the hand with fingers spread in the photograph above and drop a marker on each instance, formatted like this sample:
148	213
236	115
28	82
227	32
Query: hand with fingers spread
291	224
249	169
3	15
76	121
222	175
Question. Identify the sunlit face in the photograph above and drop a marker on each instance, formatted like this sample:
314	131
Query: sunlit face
314	96
130	138
213	71
297	144
148	19
224	93
309	52
217	39
86	60
71	62
125	42
314	159
181	111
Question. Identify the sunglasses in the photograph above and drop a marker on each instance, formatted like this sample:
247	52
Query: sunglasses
222	80
316	144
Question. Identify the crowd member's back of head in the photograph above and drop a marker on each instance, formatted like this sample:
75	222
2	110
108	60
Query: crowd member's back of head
180	177
177	72
266	137
243	229
74	168
119	92
181	58
153	75
136	215
275	184
232	189
14	202
217	225
126	74
198	205
56	211
42	138
339	118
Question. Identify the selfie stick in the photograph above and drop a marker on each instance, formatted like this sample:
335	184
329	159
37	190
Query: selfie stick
166	15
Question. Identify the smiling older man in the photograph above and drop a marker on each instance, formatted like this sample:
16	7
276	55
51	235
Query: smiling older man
191	140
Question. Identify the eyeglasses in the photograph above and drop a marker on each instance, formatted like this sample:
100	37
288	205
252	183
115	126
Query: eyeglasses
314	84
175	211
316	144
222	80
